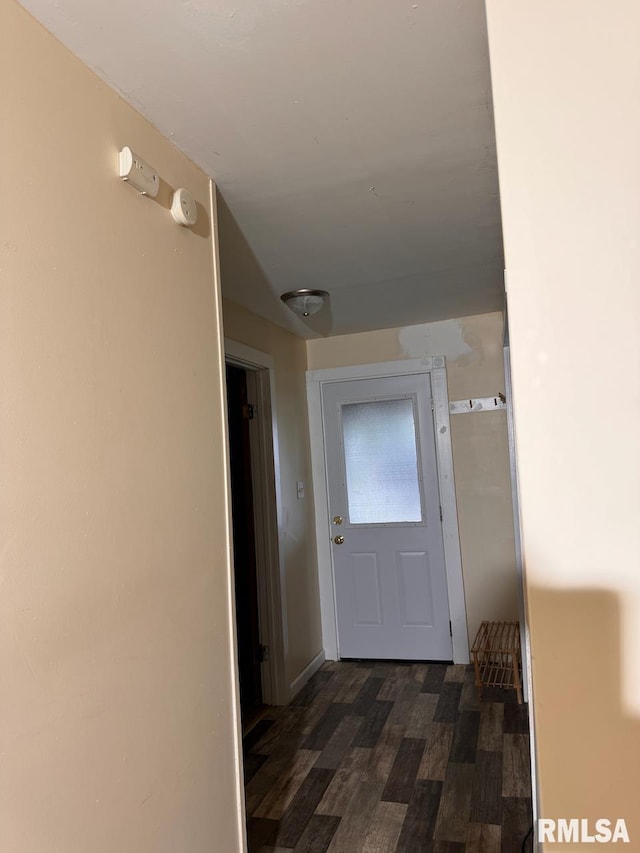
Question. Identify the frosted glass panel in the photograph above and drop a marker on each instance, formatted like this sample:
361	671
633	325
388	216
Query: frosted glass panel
381	462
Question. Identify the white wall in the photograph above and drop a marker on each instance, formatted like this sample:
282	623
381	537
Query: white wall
566	80
117	705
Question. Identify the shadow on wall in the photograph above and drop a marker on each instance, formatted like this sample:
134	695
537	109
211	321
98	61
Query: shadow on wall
588	749
499	602
238	263
242	273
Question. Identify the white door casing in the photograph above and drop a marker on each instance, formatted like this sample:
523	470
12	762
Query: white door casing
433	368
388	555
268	512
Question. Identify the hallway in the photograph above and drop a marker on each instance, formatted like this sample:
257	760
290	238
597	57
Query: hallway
387	757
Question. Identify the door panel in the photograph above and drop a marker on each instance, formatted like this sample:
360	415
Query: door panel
366	589
414	589
389	573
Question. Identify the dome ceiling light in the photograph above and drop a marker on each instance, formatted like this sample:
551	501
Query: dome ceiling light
304	301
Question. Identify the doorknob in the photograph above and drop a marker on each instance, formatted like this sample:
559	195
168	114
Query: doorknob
337	519
339	540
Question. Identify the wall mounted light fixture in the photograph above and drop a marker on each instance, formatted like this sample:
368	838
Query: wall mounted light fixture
305	301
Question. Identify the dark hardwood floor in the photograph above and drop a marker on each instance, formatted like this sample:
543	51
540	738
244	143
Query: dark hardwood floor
390	758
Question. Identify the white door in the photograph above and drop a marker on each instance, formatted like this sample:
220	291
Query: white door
388	554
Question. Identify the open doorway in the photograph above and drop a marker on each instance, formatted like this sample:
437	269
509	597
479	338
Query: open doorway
250	647
256	507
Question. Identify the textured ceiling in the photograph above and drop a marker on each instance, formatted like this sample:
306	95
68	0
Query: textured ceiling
352	142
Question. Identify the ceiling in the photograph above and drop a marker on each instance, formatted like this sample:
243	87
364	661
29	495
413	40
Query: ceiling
352	142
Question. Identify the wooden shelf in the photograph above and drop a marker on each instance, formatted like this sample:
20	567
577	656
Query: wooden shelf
496	656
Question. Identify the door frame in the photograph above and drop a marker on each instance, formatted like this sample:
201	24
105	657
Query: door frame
267	507
435	367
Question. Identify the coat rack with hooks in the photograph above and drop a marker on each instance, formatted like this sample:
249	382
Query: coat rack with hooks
478	404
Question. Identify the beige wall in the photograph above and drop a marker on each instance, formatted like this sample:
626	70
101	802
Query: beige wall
473	346
117	708
565	78
297	530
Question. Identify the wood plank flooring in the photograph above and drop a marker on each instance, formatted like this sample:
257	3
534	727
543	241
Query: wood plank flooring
386	757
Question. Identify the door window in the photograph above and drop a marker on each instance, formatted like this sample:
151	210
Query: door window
381	462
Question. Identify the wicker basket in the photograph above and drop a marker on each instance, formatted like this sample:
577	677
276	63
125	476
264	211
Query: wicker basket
496	656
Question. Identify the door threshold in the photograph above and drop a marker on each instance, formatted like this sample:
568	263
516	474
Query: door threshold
396	661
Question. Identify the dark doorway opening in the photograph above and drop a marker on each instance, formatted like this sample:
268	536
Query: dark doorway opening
239	413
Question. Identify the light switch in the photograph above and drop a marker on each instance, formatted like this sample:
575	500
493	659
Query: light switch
300	489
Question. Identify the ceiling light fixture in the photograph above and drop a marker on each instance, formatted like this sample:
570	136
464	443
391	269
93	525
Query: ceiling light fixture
304	301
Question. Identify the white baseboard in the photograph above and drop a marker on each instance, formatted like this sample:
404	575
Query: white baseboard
299	682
